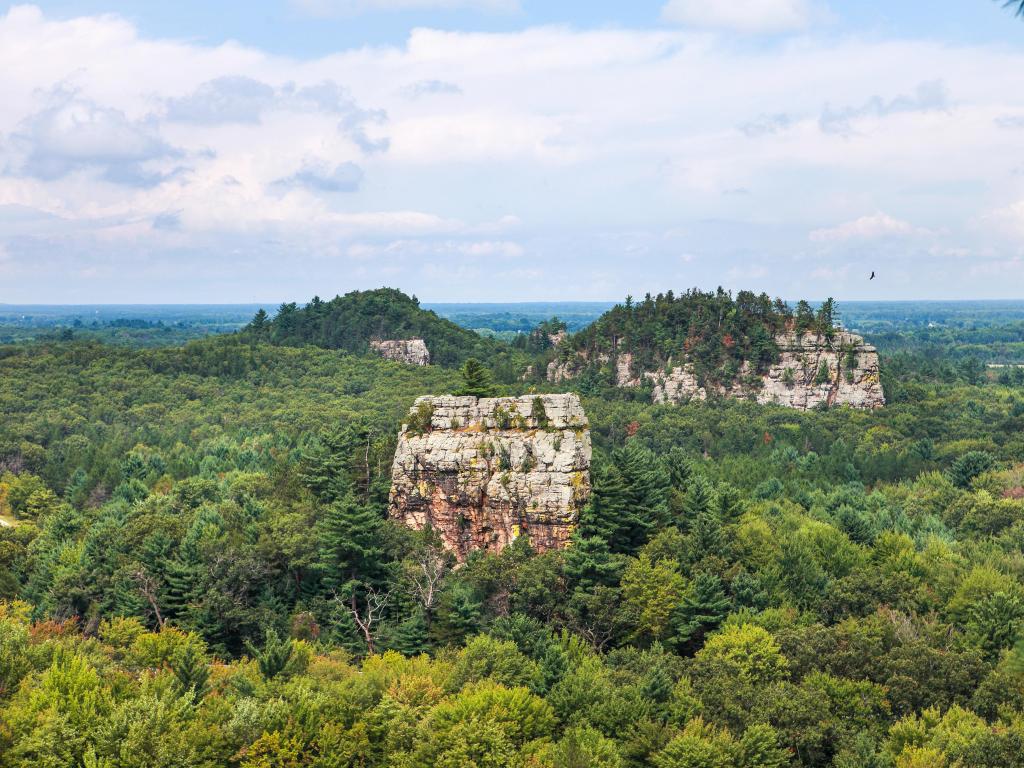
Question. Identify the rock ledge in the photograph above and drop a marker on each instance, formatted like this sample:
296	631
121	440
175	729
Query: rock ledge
484	471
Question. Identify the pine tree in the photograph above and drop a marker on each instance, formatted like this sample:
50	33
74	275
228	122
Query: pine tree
259	322
698	500
458	615
630	500
604	515
704	607
182	575
589	562
274	656
679	470
410	636
191	672
330	465
476	379
351	544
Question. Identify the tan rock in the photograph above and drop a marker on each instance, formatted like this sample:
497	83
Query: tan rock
411	351
488	470
852	376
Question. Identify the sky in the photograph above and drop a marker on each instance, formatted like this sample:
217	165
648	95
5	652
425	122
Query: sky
509	150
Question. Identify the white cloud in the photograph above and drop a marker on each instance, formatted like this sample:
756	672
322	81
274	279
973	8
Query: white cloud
72	133
569	150
741	15
1007	220
873	227
928	96
345	177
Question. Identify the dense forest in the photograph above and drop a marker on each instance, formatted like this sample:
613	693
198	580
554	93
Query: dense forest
351	321
196	568
715	331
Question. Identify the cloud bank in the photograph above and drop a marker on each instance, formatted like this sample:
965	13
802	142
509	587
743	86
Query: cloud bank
544	163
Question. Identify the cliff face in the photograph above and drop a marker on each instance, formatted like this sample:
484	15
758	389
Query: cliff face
411	351
484	471
811	370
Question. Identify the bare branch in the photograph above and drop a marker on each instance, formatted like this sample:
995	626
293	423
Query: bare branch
367	616
149	588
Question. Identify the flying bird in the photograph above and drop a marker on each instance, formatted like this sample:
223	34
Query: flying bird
872	276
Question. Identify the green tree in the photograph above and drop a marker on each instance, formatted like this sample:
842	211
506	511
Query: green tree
274	656
969	466
589	563
704	606
192	672
476	379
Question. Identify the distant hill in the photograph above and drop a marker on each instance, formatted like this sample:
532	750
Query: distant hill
714	331
349	322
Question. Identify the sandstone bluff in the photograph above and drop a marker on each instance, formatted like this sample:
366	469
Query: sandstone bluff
485	471
811	370
411	351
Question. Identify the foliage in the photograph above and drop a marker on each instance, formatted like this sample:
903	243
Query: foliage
200	570
715	332
351	321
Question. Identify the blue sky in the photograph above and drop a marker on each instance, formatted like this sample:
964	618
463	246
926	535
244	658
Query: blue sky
509	149
314	28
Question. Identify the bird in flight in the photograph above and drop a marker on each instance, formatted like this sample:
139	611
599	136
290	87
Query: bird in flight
872	276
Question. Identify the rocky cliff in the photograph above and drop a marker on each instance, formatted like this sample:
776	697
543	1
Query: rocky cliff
811	370
485	471
411	351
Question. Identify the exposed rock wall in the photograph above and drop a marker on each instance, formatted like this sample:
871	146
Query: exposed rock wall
850	375
484	471
411	351
811	370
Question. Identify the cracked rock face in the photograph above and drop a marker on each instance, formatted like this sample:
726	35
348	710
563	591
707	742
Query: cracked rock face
811	370
482	472
411	351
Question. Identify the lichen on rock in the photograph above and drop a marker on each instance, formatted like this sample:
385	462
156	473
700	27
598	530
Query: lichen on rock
488	470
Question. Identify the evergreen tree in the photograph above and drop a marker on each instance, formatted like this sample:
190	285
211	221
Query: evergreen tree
259	322
274	656
589	563
699	500
704	607
630	500
336	462
604	516
410	637
191	672
679	471
459	614
352	545
476	379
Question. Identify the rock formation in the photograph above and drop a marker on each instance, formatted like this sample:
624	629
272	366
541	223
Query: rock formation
482	472
811	370
411	351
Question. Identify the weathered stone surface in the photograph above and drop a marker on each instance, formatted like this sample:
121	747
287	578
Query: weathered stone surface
489	470
411	351
795	381
563	370
853	373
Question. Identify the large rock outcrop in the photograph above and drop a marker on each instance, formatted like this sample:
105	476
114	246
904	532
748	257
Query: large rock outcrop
811	370
411	351
482	472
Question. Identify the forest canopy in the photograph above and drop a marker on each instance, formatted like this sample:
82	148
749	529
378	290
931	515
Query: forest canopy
351	321
197	569
713	330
